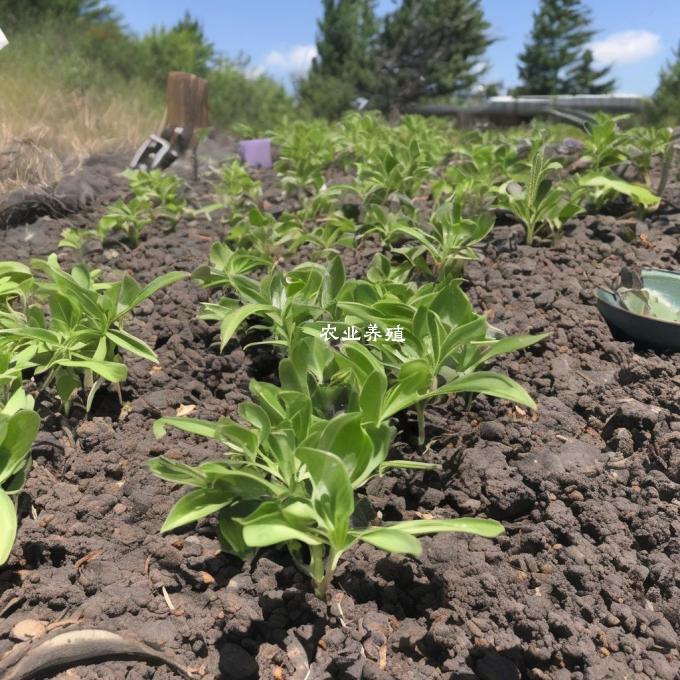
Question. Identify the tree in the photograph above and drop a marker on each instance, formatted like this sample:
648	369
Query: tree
556	60
666	98
430	48
344	66
16	14
182	48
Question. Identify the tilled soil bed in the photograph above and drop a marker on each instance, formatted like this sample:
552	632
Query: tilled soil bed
584	584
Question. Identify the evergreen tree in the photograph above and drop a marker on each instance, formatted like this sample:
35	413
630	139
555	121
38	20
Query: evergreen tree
343	69
184	47
15	14
556	59
666	99
430	48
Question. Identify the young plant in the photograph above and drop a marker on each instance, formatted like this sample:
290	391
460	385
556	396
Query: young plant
289	478
83	333
131	218
539	202
284	301
236	188
395	171
605	144
331	233
160	190
225	263
442	251
77	239
442	344
601	189
19	425
263	233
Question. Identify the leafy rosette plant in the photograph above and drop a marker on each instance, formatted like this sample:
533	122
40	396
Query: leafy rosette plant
264	234
16	280
162	191
290	478
225	263
393	171
284	301
83	333
450	241
444	344
537	200
19	425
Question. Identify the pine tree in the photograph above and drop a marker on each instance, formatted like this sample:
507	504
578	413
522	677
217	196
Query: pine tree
15	14
430	48
344	68
556	59
666	98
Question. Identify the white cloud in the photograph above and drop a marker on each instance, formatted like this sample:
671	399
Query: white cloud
295	61
626	47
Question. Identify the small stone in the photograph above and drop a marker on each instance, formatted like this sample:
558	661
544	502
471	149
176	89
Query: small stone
622	442
492	431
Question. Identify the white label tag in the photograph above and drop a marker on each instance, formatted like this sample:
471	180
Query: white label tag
3	41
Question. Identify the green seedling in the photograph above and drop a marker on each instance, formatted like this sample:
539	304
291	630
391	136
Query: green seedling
602	189
539	202
450	241
131	218
289	478
160	190
19	425
264	234
78	342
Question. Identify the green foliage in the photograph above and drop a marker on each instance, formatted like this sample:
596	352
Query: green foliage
344	68
262	232
604	189
235	188
442	251
78	342
156	199
422	49
605	143
85	47
289	478
537	200
131	218
18	428
556	59
162	191
665	106
239	98
17	14
180	48
430	48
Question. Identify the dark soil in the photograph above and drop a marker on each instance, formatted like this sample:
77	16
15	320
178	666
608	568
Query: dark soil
584	584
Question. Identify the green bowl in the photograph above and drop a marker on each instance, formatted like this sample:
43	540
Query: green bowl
645	330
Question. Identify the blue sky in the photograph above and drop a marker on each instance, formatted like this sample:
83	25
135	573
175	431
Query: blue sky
636	36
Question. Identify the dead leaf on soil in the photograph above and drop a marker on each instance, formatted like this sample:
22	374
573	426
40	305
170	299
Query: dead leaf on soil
382	652
28	629
207	578
88	558
185	409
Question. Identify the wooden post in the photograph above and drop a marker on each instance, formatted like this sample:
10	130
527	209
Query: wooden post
188	107
187	100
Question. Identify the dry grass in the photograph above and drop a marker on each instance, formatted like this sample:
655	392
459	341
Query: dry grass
47	128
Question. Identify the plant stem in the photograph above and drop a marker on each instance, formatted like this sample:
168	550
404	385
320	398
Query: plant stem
329	569
316	569
420	413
